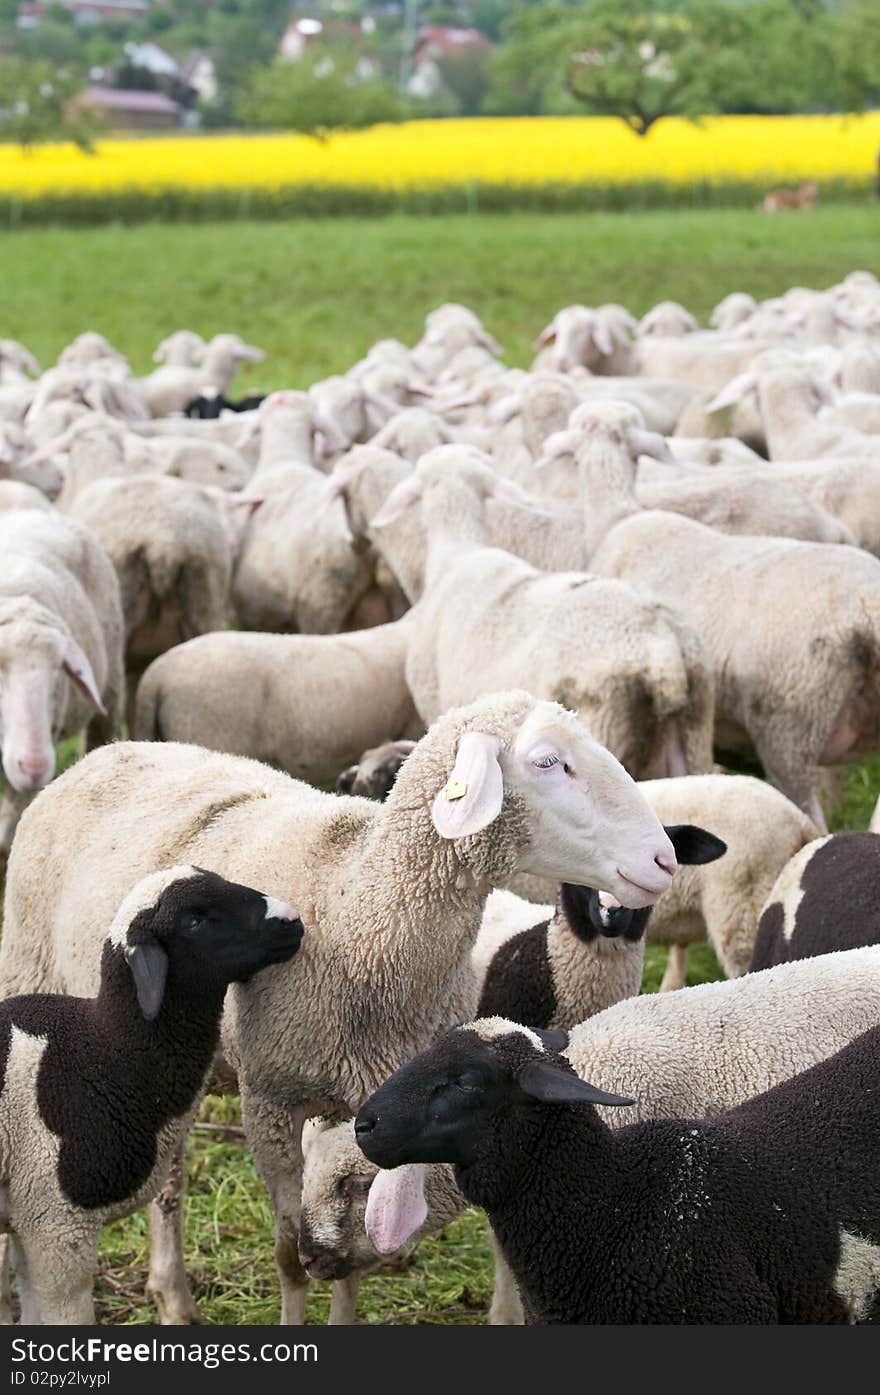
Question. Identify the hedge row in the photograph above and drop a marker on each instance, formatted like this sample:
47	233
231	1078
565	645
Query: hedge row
89	209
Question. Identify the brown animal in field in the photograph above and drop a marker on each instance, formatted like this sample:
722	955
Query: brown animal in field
797	200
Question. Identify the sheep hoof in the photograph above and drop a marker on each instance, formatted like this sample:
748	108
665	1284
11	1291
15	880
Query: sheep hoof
175	1309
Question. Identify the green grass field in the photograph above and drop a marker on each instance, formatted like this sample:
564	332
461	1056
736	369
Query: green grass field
315	295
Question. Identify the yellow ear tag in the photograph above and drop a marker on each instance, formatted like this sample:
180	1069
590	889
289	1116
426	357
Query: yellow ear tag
455	788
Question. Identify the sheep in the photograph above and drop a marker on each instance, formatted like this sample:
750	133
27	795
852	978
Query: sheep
668	317
483	796
583	957
184	348
626	664
448	329
412	433
333	1243
209	404
732	310
723	903
824	899
60	620
802	689
15	495
172	547
96	1094
678	1221
375	771
322	698
19	463
776	507
90	348
17	364
588	955
792	398
168	388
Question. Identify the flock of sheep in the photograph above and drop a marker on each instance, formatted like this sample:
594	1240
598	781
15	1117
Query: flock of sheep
514	618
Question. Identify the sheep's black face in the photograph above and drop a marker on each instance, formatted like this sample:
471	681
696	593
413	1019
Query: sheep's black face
204	931
229	932
440	1107
591	913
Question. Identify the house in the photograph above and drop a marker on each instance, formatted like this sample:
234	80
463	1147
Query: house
31	12
133	111
199	73
435	44
302	33
152	59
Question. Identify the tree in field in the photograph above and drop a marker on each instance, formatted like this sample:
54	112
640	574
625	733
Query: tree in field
642	60
322	92
38	104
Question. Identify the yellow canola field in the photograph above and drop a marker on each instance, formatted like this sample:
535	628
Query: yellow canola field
433	154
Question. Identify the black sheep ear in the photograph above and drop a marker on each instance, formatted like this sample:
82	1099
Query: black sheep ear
545	1081
552	1039
149	969
694	846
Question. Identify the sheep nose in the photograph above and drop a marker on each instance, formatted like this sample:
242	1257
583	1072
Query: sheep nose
364	1124
667	862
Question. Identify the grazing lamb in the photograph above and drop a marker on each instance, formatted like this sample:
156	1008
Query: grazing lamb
627	665
802	687
823	900
96	1094
767	1214
61	647
322	698
483	796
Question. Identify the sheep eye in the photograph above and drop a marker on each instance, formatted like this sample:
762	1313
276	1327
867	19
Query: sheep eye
467	1083
546	762
189	921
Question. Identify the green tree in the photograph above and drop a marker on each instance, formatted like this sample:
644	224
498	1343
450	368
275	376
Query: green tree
38	104
322	92
465	76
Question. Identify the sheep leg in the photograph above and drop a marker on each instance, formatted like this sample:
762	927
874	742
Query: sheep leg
55	1284
343	1302
794	773
167	1281
676	969
5	1282
506	1309
275	1138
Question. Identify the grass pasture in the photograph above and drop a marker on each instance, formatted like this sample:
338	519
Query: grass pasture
315	295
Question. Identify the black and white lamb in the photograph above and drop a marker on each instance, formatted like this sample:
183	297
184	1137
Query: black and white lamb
768	1213
587	956
96	1093
824	899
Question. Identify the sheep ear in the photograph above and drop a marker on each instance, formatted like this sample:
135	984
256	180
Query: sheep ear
149	969
402	497
547	336
552	1038
545	1081
396	1207
694	846
602	338
734	392
474	793
79	671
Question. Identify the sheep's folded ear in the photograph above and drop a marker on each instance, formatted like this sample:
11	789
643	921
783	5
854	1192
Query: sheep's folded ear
474	793
602	338
401	498
149	969
79	671
552	1038
693	845
547	1082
